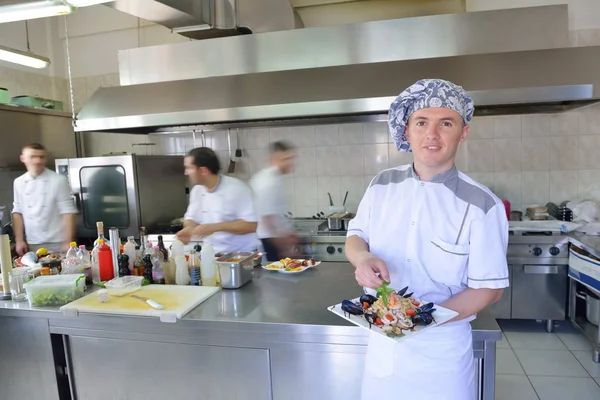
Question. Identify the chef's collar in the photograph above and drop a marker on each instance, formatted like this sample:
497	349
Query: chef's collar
42	177
444	177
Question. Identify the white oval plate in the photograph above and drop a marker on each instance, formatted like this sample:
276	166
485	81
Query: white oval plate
283	271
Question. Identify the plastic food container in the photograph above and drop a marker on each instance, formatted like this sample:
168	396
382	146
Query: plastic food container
55	290
124	285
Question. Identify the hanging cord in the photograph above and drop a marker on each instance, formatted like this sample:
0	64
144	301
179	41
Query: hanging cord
27	36
70	76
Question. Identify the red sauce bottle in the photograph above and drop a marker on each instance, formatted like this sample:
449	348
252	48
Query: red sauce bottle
105	262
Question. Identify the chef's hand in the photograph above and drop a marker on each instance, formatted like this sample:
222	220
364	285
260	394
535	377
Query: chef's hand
370	271
203	230
185	235
65	247
21	248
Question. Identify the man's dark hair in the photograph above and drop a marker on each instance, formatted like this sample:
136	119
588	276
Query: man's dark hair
33	146
280	146
205	157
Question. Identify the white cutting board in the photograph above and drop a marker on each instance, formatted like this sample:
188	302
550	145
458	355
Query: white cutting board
177	301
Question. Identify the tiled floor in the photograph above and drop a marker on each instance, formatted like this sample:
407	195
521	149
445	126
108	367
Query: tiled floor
535	365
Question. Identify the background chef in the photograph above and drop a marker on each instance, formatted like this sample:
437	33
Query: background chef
221	208
434	229
275	231
43	210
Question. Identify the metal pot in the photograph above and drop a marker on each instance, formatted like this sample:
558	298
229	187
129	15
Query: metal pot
335	221
592	309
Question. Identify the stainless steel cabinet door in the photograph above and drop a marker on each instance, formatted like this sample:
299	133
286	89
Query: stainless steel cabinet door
539	292
502	308
332	375
138	370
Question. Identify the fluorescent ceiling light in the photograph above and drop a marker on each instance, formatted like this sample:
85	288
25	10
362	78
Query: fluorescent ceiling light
23	58
33	10
86	3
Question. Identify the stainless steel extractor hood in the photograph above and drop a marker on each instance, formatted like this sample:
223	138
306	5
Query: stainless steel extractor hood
209	19
512	61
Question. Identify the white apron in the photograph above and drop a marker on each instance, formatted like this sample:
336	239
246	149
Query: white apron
433	365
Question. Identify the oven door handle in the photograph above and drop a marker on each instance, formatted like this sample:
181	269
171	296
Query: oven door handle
77	201
540	269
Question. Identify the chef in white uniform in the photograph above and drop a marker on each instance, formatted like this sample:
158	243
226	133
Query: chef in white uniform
431	228
221	208
43	210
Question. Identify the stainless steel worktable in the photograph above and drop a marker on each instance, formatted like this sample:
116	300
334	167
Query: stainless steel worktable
274	335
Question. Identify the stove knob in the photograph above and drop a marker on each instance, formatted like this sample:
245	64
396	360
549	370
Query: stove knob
554	250
340	250
330	249
536	251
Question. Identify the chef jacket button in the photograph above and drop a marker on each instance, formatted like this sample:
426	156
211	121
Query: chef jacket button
422	184
413	222
408	260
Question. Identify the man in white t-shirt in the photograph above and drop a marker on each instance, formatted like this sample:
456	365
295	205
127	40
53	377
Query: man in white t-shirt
275	231
221	209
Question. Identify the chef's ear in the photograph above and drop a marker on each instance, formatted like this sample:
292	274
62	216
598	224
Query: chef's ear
22	158
465	132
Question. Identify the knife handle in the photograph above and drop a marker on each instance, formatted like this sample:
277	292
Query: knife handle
154	304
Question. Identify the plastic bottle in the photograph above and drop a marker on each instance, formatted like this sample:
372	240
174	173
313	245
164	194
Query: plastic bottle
105	262
177	249
129	249
158	275
149	249
194	267
182	276
100	229
72	252
83	255
208	265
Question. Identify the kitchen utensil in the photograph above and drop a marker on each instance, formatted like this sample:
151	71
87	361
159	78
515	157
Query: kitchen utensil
6	266
592	308
345	198
238	151
18	278
177	301
330	199
124	285
150	302
235	269
335	221
231	168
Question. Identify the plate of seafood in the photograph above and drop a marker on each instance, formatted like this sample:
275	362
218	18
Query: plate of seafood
291	266
396	315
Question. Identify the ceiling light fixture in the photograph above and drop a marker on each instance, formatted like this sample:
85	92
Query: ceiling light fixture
86	3
26	58
33	10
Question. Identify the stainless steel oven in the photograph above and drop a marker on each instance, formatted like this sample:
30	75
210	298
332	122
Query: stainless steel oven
125	191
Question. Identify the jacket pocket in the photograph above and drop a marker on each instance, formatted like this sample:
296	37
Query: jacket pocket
446	263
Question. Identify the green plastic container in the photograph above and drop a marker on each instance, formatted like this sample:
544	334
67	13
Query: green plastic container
4	97
37	102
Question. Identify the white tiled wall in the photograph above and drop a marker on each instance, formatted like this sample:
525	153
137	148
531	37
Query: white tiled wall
528	159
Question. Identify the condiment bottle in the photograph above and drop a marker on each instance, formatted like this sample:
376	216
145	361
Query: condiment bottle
194	267
182	276
208	265
105	262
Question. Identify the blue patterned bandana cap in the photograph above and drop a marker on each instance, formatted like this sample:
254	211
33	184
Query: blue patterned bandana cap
426	93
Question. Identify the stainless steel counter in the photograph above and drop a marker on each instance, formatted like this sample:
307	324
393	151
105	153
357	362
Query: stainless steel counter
275	334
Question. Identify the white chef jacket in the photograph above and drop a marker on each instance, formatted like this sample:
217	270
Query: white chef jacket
42	201
270	200
437	238
230	200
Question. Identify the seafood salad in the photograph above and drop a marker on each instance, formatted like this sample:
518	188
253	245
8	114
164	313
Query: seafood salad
291	265
393	312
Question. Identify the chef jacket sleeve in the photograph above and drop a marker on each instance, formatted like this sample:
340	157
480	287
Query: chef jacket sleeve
64	201
487	264
359	225
194	210
17	208
245	203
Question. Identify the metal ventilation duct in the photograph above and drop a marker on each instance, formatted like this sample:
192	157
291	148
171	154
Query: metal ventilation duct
209	19
516	63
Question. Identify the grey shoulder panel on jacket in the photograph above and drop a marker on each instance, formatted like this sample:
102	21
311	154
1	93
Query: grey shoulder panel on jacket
392	175
471	194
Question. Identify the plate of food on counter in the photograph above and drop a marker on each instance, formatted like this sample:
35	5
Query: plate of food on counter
291	265
393	314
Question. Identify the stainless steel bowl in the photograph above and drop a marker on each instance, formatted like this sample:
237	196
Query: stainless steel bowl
235	269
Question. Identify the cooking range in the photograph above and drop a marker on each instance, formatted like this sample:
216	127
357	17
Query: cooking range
318	241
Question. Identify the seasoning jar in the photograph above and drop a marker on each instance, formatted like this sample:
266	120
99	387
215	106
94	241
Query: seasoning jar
45	271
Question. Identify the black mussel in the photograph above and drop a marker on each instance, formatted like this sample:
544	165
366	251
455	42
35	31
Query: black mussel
371	318
402	291
351	308
425	308
367	298
422	318
406	296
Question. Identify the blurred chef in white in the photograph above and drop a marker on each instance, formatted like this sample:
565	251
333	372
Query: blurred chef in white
275	231
221	209
432	228
44	214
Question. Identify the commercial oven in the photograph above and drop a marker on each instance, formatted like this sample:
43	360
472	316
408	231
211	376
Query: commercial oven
125	191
